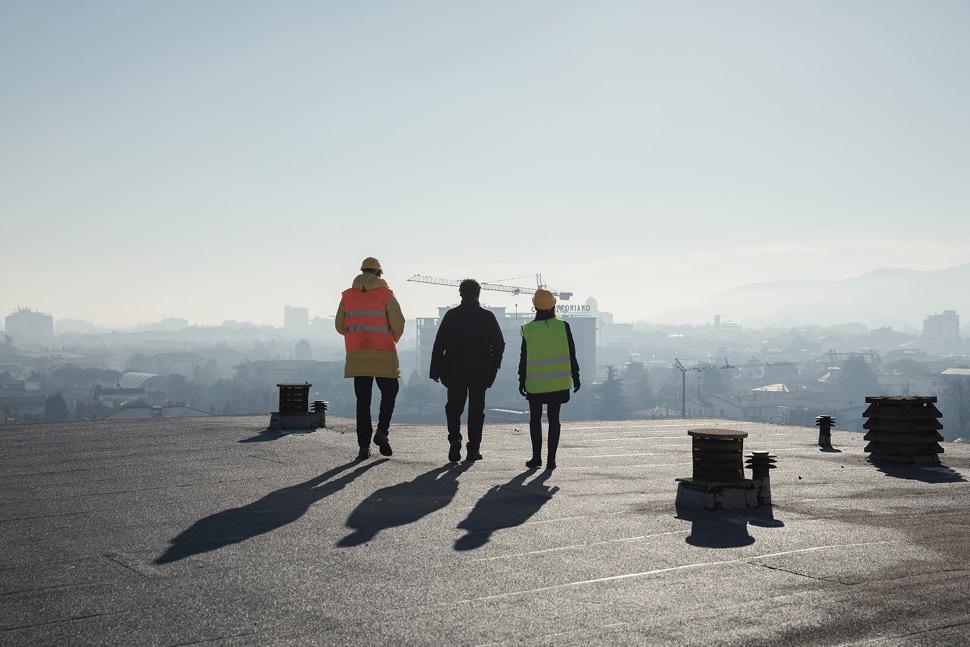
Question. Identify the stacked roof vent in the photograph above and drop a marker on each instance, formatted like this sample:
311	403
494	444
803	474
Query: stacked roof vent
717	456
903	429
761	463
294	410
717	481
824	424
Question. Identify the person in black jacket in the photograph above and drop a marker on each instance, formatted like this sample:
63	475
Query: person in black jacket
545	305
466	358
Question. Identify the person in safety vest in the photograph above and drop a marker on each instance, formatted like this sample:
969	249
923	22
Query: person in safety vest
370	319
466	357
547	369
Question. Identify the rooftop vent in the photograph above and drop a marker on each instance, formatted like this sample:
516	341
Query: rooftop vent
718	478
294	398
903	429
320	408
761	463
717	455
295	411
824	424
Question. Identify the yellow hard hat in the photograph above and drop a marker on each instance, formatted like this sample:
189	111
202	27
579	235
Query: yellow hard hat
370	263
543	300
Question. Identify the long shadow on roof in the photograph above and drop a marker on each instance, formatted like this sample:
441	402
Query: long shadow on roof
726	528
404	503
504	506
273	511
265	436
925	473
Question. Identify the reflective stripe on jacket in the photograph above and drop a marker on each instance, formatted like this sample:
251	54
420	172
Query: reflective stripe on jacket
365	320
548	366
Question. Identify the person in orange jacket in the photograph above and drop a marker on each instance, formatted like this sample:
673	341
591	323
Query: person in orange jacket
370	319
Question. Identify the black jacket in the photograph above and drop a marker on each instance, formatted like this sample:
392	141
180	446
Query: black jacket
524	359
469	345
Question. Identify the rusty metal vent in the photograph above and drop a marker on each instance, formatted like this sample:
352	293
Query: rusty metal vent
824	424
903	429
717	455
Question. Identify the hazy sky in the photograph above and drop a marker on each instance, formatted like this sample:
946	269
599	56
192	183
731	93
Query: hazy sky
216	160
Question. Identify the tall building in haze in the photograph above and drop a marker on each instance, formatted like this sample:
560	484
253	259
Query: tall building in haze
296	320
941	332
28	328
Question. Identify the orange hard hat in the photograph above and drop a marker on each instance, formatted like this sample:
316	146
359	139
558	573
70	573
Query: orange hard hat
544	300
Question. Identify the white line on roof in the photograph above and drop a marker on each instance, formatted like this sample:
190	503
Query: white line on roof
614	455
583	545
684	567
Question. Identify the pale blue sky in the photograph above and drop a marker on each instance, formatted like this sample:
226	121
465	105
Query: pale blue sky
215	160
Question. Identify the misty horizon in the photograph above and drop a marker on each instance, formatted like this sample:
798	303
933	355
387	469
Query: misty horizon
214	163
443	296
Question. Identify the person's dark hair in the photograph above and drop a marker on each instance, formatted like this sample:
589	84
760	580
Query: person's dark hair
368	270
469	289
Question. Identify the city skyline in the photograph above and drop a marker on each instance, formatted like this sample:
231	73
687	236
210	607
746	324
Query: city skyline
698	313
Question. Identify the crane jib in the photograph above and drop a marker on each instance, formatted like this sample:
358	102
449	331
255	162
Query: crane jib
514	290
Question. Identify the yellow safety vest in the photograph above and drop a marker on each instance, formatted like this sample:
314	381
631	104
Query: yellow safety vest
547	366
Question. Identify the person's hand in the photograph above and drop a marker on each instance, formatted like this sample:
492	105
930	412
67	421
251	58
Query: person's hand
576	386
522	390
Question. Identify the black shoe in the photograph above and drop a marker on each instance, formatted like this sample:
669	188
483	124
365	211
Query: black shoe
550	464
472	457
454	454
363	454
383	444
533	463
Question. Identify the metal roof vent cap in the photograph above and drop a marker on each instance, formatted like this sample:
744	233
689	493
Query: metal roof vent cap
761	463
320	408
824	424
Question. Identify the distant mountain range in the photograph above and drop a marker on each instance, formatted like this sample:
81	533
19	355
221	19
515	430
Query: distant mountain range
882	297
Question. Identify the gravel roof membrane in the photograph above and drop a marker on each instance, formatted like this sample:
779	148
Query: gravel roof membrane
214	531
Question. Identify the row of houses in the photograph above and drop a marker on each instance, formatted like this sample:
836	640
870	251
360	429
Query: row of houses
800	404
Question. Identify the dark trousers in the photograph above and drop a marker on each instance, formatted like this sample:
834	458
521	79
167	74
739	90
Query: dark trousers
535	428
458	392
364	387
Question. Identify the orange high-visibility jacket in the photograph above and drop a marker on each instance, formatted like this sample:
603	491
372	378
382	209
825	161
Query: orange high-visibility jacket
371	322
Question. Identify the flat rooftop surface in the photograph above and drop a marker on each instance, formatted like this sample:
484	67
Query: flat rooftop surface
211	531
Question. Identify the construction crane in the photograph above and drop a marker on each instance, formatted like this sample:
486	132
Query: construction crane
491	287
700	368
